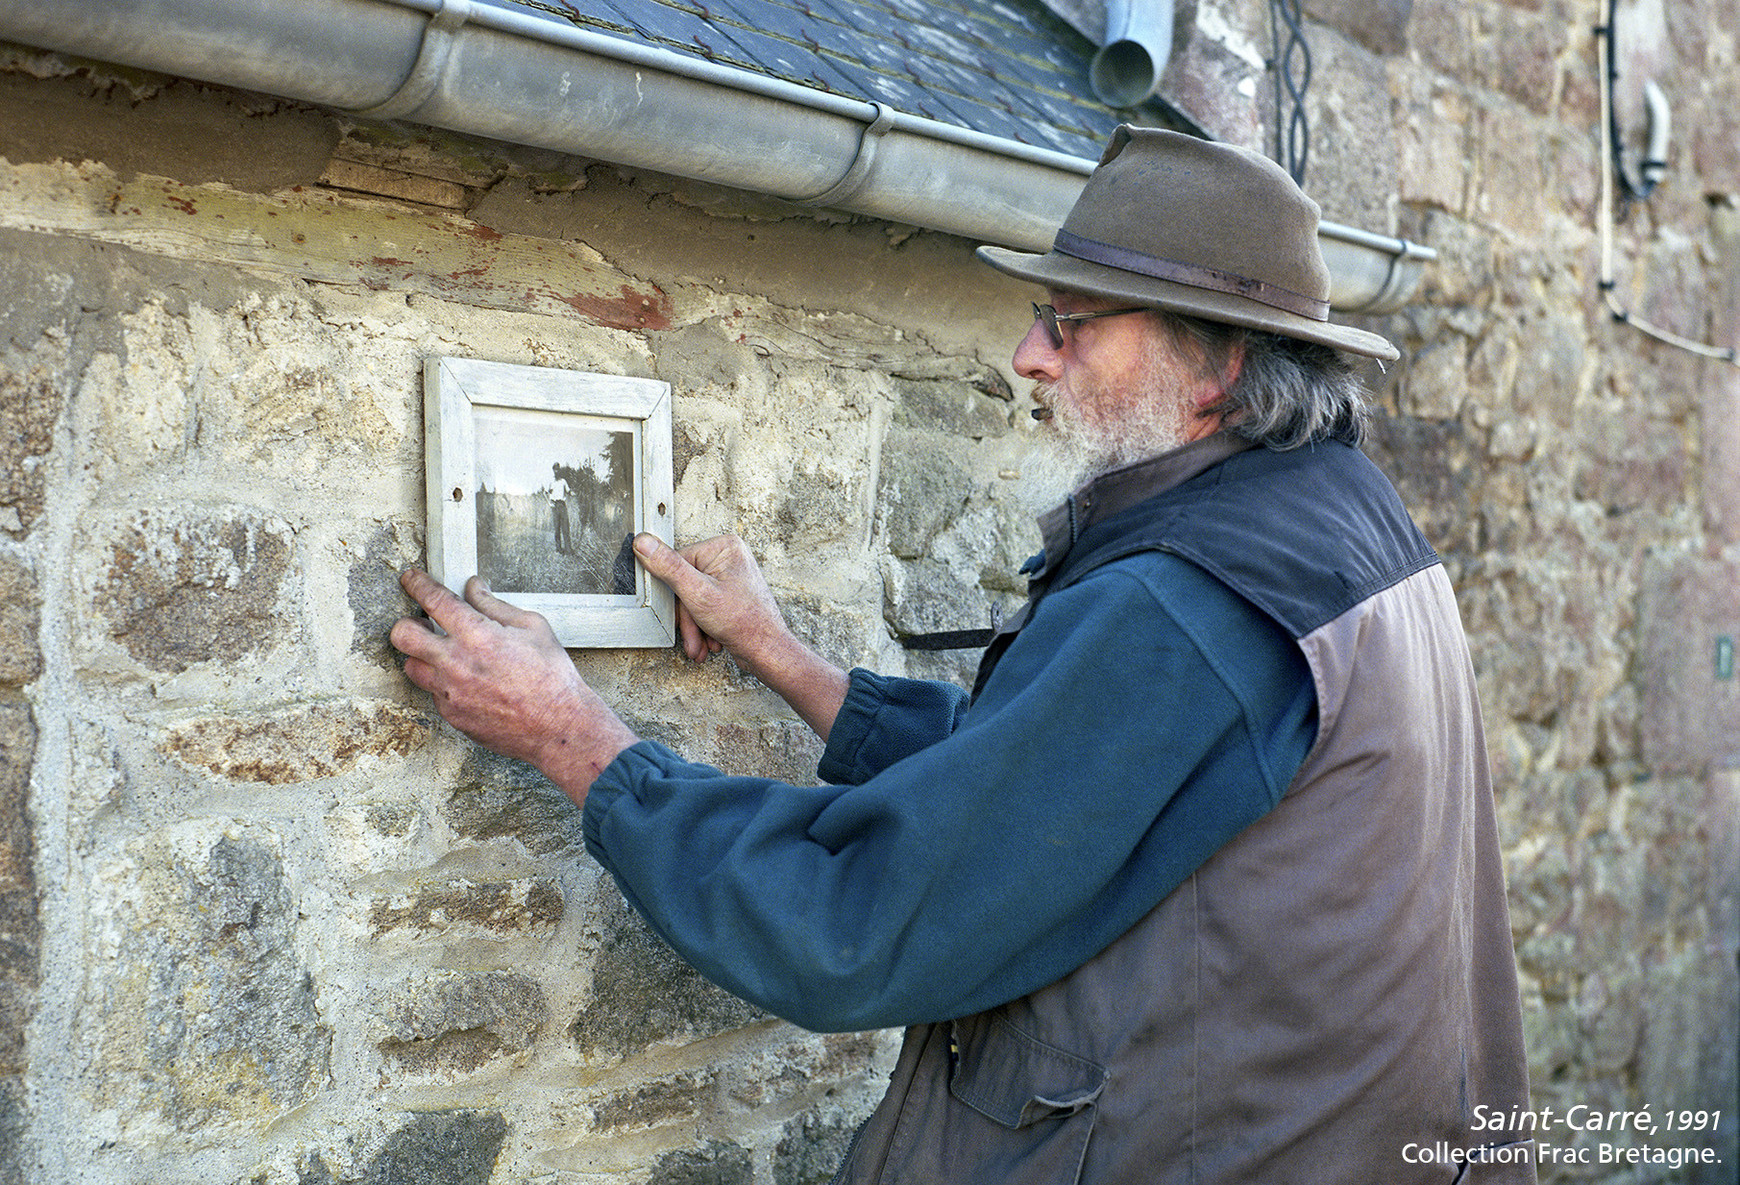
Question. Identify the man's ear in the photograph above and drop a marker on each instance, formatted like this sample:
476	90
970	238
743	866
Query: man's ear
1214	386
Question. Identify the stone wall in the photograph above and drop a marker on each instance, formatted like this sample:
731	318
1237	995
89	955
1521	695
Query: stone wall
264	919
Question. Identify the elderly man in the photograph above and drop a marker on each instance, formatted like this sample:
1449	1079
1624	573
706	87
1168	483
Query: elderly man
1201	882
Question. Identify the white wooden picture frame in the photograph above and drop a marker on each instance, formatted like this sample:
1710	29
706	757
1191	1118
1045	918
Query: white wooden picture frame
527	488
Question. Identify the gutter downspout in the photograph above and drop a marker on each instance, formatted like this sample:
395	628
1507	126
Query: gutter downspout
472	68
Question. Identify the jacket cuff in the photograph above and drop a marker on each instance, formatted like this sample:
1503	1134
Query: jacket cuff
865	696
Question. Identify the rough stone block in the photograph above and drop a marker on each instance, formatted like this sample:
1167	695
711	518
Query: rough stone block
184	588
498	797
923	488
719	1163
929	595
431	1148
202	1013
1352	164
20	930
366	837
1632	461
1463	272
785	750
1526	62
376	600
1435	379
812	1148
1510	175
845	634
1379	25
17	754
1691	698
643	993
1442	33
972	409
792	1071
30	405
1712	148
298	744
656	1102
1431	143
498	908
457	1022
1722	464
822	502
1216	80
20	618
14	1119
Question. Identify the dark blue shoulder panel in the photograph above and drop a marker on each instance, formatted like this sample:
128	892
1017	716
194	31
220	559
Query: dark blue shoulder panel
1304	535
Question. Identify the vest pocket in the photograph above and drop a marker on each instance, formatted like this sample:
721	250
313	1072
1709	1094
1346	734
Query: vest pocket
1040	1096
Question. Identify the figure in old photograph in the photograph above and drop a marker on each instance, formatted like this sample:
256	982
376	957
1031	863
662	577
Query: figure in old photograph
559	507
555	503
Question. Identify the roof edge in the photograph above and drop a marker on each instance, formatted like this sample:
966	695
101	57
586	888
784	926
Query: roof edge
481	70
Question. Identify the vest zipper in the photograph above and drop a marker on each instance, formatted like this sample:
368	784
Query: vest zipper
840	1173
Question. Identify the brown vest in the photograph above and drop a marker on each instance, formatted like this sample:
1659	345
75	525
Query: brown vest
1330	997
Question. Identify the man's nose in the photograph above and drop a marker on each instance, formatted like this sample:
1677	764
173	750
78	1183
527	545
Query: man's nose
1035	357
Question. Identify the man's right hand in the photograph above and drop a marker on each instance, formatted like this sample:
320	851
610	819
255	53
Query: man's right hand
723	602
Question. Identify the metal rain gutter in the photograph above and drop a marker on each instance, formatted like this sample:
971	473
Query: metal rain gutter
1370	273
476	69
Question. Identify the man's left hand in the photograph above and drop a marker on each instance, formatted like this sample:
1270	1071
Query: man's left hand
498	675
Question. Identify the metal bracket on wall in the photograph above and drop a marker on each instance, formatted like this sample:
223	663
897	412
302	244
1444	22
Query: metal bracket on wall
857	174
439	36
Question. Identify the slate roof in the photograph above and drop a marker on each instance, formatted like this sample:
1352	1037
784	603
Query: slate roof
1008	68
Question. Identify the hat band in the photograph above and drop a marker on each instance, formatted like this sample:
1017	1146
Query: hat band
1191	275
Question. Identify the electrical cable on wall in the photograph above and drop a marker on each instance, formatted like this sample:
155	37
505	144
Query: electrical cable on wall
1650	172
1292	129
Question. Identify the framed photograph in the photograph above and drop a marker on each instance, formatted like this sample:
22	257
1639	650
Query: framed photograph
539	479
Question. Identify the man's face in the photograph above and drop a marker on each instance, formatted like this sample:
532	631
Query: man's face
1118	389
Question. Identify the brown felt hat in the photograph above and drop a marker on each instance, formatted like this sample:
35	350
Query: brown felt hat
1208	230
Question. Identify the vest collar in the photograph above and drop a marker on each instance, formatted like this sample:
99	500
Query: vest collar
1121	488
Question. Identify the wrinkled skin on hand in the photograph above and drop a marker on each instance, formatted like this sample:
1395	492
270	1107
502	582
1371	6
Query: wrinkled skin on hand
723	602
497	674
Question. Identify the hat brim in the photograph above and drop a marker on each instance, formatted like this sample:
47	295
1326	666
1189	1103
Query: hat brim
1056	270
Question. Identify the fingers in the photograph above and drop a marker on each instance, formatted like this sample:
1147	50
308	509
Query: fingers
696	644
458	619
498	610
438	601
415	640
422	674
693	585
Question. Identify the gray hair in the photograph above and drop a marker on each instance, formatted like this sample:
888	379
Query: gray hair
1289	392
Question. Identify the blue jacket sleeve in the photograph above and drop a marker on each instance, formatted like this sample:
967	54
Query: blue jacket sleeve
1134	726
884	720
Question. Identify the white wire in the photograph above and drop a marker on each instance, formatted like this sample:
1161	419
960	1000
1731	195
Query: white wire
1604	44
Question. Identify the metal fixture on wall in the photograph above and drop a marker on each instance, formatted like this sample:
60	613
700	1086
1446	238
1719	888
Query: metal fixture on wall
1651	170
1126	70
1292	67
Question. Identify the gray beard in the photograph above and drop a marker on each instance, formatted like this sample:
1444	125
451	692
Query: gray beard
1062	459
1055	466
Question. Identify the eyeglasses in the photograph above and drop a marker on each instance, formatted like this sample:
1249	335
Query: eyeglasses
1053	320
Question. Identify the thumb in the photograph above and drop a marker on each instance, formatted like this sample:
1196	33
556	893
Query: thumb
668	564
493	607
